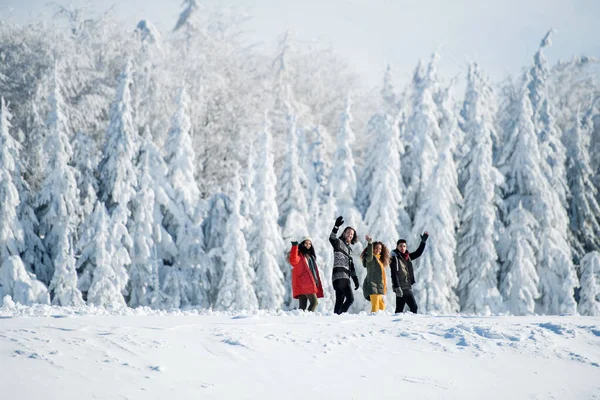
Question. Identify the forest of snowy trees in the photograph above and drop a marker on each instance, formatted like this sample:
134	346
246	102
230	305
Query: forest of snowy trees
172	170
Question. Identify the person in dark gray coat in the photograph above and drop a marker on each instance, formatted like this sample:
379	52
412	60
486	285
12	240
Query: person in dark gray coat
403	276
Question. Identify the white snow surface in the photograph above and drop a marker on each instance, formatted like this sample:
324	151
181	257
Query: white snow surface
93	353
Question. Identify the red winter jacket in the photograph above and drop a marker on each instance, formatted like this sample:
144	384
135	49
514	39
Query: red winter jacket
302	279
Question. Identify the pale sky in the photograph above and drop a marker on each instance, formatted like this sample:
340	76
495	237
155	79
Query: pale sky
502	35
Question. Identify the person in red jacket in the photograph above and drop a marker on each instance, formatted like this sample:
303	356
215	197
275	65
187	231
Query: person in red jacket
306	282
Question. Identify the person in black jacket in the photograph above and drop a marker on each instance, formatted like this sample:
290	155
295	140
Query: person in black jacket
403	276
343	266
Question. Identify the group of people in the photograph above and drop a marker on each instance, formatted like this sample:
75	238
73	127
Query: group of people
307	285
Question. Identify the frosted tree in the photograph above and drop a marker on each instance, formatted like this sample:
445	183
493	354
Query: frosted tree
96	262
214	228
435	275
11	232
382	216
477	260
187	16
551	147
117	175
319	163
235	289
266	244
144	278
342	180
584	210
291	196
421	133
522	166
57	205
519	282
390	100
85	161
589	296
183	221
19	284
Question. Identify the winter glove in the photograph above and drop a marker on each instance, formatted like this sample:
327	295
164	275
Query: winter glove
294	243
398	292
339	221
355	280
424	237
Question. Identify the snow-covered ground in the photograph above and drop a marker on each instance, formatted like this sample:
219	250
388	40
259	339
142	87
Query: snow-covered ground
91	353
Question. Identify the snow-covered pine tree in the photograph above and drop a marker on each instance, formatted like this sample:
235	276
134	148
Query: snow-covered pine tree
57	205
342	179
12	241
85	160
522	165
96	261
144	280
584	210
477	260
519	281
421	133
19	284
589	296
118	177
184	220
436	277
214	228
391	104
265	244
235	288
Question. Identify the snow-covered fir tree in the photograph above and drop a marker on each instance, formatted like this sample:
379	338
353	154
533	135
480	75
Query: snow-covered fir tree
96	261
266	245
19	284
436	277
382	216
235	289
57	205
183	221
144	279
342	180
214	229
584	210
589	295
85	161
421	133
519	281
476	259
12	241
522	166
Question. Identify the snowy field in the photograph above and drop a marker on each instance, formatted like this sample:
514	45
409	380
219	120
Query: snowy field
91	353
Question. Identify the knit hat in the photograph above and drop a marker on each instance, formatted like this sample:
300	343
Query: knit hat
305	238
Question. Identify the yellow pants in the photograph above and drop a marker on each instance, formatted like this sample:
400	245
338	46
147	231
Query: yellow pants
377	303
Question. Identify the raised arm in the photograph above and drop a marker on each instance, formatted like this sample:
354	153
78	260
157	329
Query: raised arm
417	253
333	239
294	256
369	255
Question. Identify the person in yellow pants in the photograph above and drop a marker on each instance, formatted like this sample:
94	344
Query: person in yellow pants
375	257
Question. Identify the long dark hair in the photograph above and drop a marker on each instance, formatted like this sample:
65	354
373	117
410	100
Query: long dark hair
307	252
354	238
385	253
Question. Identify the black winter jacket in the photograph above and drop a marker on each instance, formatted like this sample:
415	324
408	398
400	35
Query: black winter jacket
401	270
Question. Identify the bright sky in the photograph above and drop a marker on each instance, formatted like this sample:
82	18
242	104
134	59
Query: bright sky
501	35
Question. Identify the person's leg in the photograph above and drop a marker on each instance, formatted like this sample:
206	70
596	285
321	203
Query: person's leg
302	302
314	302
339	300
375	302
409	298
349	298
381	303
400	305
